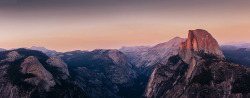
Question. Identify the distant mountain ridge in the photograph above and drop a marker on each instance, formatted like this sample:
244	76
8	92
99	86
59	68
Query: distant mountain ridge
44	50
192	67
237	52
240	56
48	52
1	49
238	44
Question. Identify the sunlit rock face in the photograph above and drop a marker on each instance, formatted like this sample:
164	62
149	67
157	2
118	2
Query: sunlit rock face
201	42
199	70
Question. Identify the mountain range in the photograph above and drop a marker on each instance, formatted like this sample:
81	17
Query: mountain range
193	67
237	52
32	74
238	44
48	52
145	58
199	70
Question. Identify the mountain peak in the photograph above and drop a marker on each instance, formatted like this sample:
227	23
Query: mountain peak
199	67
176	39
40	48
175	42
201	42
1	49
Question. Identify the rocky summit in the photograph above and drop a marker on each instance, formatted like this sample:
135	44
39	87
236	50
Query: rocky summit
145	58
199	70
201	42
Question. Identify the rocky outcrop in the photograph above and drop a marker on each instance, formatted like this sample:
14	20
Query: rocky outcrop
12	56
31	65
199	70
198	44
60	65
118	58
201	42
25	74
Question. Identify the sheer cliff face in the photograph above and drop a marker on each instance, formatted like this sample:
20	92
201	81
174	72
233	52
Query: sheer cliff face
199	42
199	70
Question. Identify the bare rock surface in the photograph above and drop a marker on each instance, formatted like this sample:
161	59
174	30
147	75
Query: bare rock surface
31	65
61	65
25	74
199	71
199	41
12	56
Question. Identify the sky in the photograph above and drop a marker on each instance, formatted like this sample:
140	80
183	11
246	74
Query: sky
66	25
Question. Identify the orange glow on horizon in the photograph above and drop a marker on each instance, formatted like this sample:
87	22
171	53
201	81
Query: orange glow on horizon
113	26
